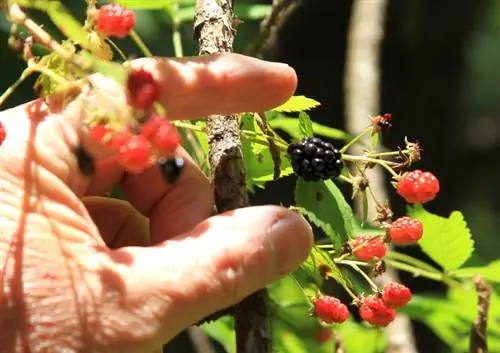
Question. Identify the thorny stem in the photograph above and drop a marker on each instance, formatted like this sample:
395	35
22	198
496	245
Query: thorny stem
140	44
387	154
355	140
382	163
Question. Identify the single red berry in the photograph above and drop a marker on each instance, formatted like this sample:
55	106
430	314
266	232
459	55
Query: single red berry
3	134
142	89
368	247
418	186
134	154
406	230
113	20
396	295
162	134
323	334
100	133
374	311
330	309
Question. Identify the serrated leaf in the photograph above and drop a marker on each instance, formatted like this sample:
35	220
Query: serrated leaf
305	125
257	159
447	241
297	104
324	205
291	127
319	257
490	272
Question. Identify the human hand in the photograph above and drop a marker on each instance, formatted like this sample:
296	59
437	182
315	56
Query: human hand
84	273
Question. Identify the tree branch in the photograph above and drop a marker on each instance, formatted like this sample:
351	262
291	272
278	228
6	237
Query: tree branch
478	336
362	94
213	29
270	25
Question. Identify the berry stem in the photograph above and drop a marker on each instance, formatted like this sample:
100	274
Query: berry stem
385	164
140	44
346	179
388	154
176	34
7	93
355	140
363	274
118	50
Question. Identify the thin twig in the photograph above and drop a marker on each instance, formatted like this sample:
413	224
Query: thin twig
478	336
213	29
338	345
270	25
362	83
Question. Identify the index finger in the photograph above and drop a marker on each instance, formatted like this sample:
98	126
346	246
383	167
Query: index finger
219	84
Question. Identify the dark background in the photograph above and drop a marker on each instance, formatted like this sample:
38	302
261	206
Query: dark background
440	80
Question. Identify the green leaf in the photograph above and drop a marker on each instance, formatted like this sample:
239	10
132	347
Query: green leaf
374	140
305	125
67	24
490	272
359	338
319	257
251	12
325	206
447	241
257	159
297	104
110	69
291	127
223	332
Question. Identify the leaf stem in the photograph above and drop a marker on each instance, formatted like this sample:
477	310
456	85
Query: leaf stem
363	274
410	260
418	272
140	44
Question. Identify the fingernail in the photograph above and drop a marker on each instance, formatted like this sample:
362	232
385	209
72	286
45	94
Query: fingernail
291	237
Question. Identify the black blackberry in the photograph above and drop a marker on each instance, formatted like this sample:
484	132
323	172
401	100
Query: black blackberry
314	159
171	168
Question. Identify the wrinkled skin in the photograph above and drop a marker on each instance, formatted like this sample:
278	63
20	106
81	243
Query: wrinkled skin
83	273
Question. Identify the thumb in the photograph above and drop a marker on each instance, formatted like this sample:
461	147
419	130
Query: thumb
214	266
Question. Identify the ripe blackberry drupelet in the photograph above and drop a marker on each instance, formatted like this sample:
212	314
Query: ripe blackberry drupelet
314	159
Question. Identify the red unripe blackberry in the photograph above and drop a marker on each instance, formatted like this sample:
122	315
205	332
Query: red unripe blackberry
314	159
395	295
418	187
374	311
323	334
406	230
142	89
368	247
113	20
330	309
162	134
134	154
2	133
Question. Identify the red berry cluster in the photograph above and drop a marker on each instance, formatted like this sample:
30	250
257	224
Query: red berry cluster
113	20
377	309
157	137
3	134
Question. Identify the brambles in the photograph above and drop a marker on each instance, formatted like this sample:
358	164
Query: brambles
142	89
114	20
395	295
171	168
418	186
330	310
406	230
314	159
374	311
369	248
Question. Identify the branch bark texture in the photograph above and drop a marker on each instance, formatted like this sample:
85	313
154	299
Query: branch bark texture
362	98
214	31
479	332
